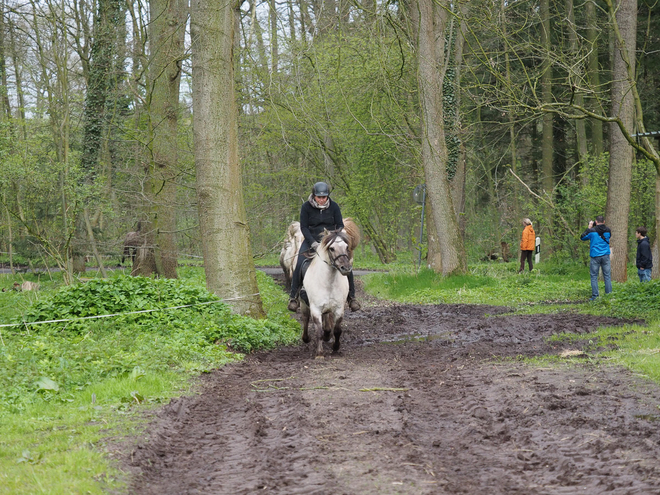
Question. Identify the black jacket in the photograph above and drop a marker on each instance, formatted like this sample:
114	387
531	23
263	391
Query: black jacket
313	221
644	257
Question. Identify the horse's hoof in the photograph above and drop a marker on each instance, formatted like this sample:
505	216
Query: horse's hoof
319	357
326	336
305	339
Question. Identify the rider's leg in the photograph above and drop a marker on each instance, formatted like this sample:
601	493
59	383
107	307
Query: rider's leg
352	302
295	279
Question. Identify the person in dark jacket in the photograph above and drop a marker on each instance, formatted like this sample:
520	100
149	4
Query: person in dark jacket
317	214
598	236
644	260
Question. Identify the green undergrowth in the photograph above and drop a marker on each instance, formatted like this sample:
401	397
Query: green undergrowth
67	386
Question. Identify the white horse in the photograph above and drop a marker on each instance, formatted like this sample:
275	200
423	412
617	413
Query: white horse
289	253
326	287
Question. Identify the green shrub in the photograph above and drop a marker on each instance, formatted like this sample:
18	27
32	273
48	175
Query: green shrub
633	300
49	361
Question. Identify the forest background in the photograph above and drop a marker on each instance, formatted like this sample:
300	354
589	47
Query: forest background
504	109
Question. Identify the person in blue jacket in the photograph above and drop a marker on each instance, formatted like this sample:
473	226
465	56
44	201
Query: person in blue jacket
644	259
598	235
317	214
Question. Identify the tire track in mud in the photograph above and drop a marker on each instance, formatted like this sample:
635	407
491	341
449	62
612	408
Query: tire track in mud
420	401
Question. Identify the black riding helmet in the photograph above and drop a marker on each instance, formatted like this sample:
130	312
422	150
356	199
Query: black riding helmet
321	189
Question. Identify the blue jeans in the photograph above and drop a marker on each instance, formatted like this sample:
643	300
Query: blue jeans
604	263
644	274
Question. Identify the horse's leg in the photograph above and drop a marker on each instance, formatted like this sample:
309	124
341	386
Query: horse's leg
317	332
328	323
305	318
335	345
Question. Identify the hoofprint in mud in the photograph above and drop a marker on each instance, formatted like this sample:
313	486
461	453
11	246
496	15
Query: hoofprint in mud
422	400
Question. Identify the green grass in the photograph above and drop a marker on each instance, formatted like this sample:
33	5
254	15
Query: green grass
66	387
494	284
636	347
57	446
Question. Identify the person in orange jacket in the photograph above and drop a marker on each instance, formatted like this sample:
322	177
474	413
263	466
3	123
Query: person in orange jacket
527	245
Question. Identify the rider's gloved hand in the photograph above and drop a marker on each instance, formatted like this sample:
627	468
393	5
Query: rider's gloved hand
315	245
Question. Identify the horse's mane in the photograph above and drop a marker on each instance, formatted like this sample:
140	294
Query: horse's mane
330	235
353	232
293	229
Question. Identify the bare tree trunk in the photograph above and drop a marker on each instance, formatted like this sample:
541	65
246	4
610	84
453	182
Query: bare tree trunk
274	49
511	116
621	154
428	24
292	21
18	81
547	179
228	263
580	128
594	75
6	110
10	236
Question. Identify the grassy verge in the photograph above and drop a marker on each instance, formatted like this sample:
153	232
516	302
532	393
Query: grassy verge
66	387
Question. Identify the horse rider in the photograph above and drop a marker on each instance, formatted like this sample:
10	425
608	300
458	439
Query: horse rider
317	214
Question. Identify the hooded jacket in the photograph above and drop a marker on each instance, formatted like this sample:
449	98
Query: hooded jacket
644	257
599	240
528	242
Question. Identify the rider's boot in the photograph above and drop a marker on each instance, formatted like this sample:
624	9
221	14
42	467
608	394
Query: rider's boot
353	304
293	304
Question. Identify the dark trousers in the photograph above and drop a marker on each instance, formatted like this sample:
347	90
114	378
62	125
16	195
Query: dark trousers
526	255
296	281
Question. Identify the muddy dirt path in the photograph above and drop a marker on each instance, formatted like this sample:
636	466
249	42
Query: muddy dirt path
421	400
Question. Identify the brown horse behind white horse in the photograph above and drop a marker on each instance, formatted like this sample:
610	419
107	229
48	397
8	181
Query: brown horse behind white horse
326	285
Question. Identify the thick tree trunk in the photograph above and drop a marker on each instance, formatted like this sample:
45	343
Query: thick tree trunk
228	263
94	119
458	181
166	34
621	154
430	57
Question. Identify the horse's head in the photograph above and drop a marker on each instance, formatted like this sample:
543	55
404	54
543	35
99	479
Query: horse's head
335	246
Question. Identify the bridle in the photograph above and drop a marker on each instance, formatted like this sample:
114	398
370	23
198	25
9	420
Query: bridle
333	261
